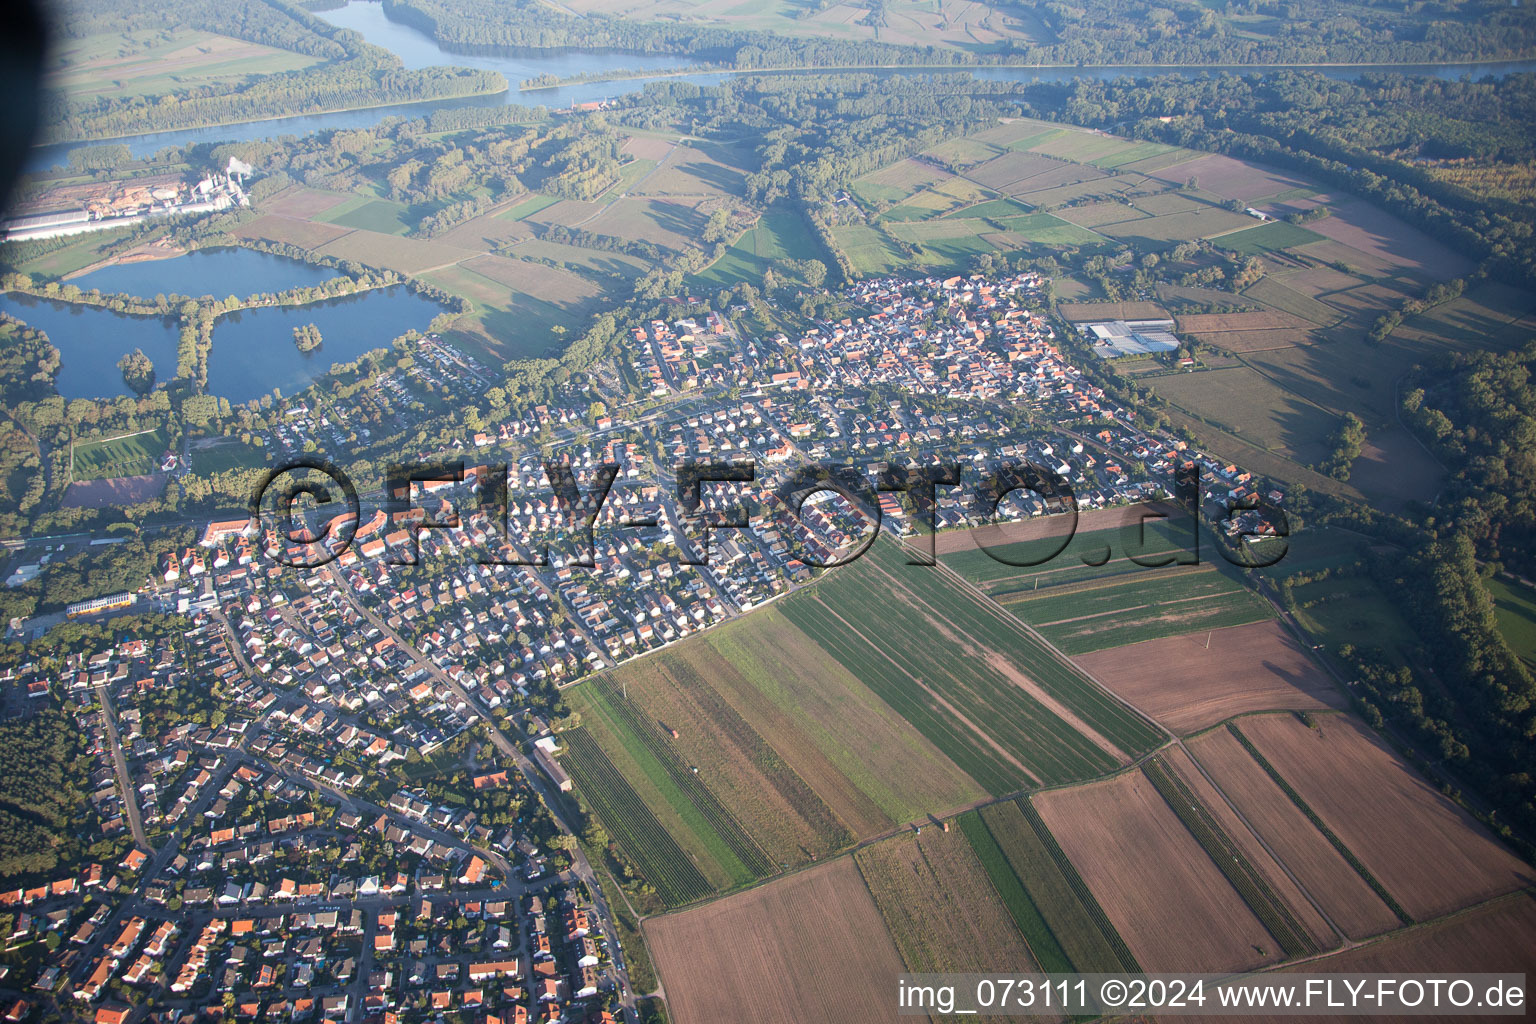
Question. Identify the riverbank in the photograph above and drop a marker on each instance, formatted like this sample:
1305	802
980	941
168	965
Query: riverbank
47	141
159	249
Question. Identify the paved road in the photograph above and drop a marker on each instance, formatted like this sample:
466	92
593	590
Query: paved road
580	865
124	780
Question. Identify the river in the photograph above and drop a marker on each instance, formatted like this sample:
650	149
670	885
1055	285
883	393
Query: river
418	50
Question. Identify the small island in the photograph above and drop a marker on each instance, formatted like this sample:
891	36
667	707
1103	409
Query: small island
307	338
138	371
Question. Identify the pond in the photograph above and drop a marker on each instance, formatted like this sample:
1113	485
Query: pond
217	271
253	350
91	340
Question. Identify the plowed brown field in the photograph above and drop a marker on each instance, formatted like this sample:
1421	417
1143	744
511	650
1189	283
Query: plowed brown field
1429	854
1187	686
1170	903
808	947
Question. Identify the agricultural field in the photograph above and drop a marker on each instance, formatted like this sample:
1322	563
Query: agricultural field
664	865
671	224
713	836
1075	922
687	170
370	214
867	248
128	455
1145	605
964	24
763	949
1249	404
1196	680
1277	901
1025	559
153	63
516	303
939	904
301	202
1177	227
406	255
1045	229
307	234
783	815
806	758
1166	898
1353	609
1229	178
943	243
897	181
527	207
1499	936
1343	892
779	235
1428	853
1267	238
1010	713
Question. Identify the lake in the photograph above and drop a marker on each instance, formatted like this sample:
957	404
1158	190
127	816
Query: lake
253	350
417	50
91	341
217	271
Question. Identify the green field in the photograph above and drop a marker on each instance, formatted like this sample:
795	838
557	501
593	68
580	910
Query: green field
156	62
944	243
134	455
1077	922
1352	609
993	208
630	823
756	718
779	235
1167	611
1080	607
1515	606
528	207
1268	238
369	214
1032	924
992	572
1044	229
710	832
877	618
867	249
225	457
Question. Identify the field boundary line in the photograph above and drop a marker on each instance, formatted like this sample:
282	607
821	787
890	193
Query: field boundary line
1322	826
1014	622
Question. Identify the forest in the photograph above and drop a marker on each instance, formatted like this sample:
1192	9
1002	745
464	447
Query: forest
41	804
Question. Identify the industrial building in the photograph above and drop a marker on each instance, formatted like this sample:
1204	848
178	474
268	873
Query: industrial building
1115	339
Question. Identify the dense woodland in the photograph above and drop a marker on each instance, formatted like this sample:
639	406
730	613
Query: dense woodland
1477	410
42	806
